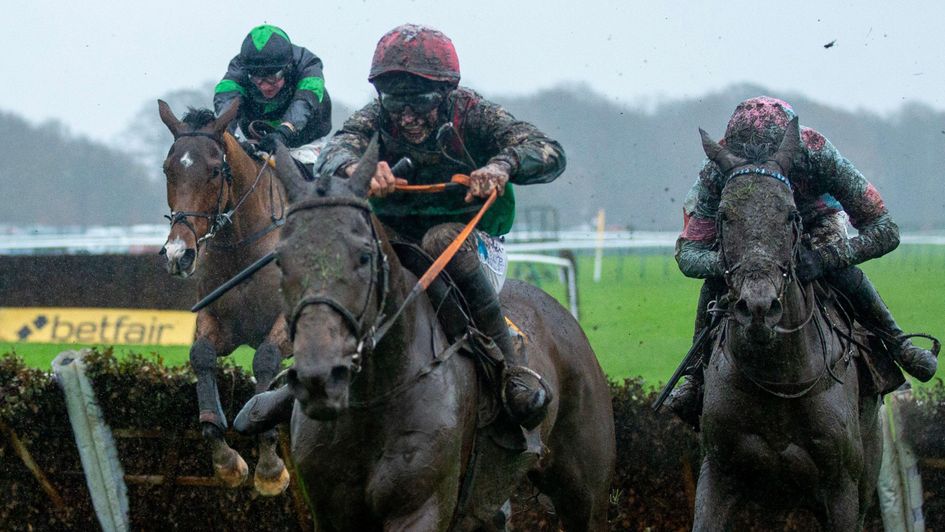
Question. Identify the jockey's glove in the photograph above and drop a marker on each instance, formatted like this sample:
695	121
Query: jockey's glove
810	265
281	134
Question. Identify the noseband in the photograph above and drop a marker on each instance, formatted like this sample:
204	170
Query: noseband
358	325
788	270
788	276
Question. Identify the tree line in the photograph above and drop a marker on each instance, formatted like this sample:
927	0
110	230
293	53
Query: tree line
637	164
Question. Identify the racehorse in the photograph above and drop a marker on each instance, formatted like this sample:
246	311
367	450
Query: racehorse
385	435
784	422
226	212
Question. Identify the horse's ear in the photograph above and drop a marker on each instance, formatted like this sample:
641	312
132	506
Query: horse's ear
295	185
219	125
167	116
360	180
789	143
719	154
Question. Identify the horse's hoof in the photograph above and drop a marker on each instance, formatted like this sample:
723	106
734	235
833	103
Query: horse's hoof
232	470
271	486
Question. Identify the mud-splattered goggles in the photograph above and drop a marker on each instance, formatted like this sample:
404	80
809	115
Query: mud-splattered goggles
420	103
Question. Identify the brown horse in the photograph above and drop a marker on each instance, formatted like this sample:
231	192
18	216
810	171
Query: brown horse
226	212
784	425
386	436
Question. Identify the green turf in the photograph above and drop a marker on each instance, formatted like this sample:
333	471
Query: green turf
41	355
639	317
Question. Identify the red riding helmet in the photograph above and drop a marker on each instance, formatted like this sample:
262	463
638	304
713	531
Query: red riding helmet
417	50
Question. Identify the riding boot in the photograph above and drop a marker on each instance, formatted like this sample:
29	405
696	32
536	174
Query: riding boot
873	312
525	394
686	399
448	309
264	411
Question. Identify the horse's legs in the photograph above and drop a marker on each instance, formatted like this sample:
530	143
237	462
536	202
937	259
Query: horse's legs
715	500
842	512
578	504
227	463
872	436
271	476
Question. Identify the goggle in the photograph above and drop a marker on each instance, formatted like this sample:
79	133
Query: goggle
420	103
267	76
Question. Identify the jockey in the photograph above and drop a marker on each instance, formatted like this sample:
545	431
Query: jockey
826	185
281	84
422	113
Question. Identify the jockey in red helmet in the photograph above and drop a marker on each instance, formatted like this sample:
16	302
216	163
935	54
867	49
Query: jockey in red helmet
422	113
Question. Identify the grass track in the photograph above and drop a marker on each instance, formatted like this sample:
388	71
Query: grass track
639	317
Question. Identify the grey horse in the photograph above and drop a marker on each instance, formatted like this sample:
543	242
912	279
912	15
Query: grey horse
784	424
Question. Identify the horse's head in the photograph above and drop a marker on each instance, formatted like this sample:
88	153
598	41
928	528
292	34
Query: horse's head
334	281
759	230
197	182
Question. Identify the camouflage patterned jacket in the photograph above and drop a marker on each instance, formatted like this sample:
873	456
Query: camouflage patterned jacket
825	184
489	133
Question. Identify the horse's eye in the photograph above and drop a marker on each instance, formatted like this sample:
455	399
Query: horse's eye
364	258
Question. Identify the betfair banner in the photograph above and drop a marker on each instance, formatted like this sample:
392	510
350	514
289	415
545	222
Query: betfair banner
97	326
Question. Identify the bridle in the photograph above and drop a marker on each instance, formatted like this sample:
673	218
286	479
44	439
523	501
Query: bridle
788	276
366	332
788	270
220	218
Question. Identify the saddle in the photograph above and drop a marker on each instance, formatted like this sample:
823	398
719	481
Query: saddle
878	373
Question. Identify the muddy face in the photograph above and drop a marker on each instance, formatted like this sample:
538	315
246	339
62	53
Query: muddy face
329	289
756	219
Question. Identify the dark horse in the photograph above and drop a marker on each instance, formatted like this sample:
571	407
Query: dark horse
226	212
784	423
385	436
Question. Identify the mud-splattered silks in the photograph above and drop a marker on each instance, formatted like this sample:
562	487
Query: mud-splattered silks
489	132
825	186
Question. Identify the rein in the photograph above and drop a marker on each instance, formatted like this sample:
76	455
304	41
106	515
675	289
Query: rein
370	336
794	390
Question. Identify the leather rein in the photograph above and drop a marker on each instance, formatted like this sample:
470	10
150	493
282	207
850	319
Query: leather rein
370	333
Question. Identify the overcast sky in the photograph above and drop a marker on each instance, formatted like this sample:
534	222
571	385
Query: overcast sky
92	64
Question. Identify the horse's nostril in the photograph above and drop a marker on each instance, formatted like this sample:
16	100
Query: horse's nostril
163	251
187	260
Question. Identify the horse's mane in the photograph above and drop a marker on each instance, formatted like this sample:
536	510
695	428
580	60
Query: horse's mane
198	118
